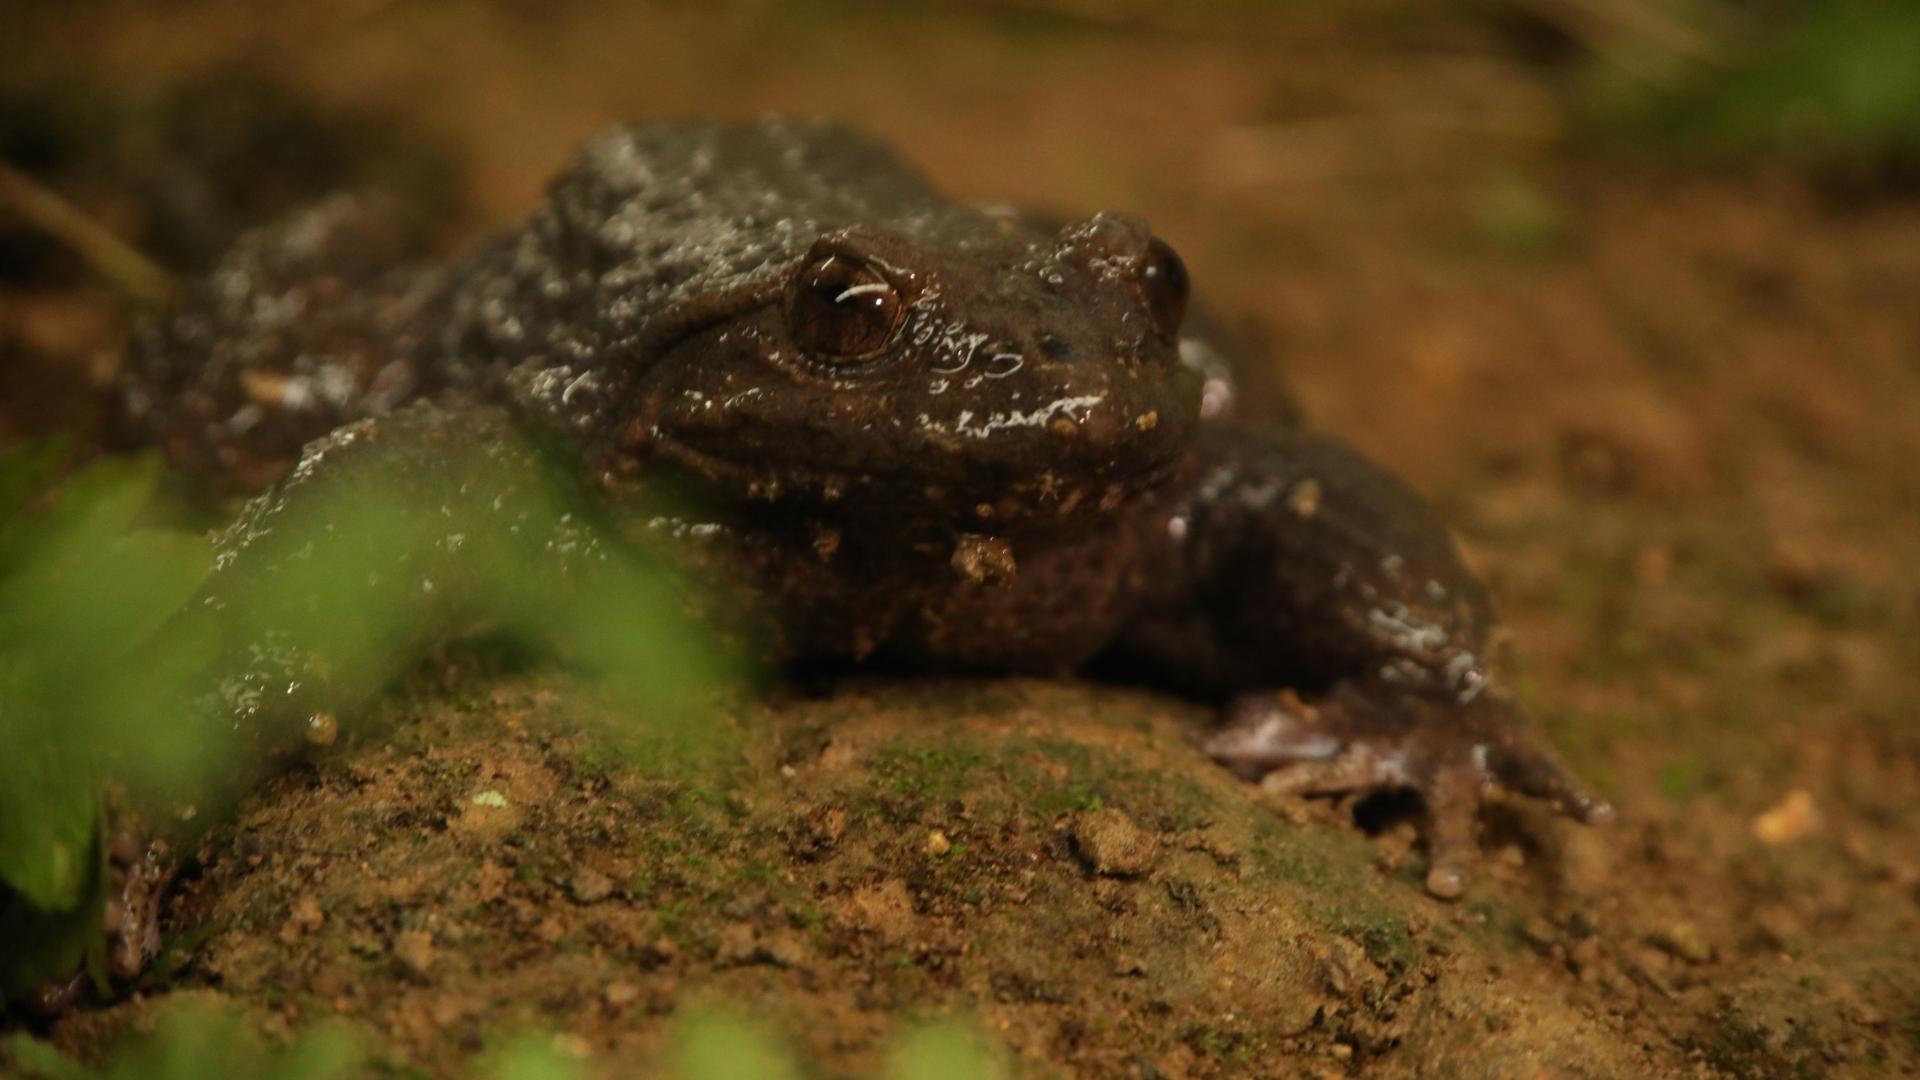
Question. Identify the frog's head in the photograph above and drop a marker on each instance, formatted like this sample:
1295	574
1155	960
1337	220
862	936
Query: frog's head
989	376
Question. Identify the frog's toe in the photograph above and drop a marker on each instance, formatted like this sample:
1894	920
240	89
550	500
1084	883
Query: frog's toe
1530	769
1266	734
1295	749
1357	742
1452	797
1356	768
1291	747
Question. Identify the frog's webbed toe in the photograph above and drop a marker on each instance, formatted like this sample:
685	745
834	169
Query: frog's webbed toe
1353	742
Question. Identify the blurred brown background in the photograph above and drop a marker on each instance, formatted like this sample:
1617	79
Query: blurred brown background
1628	287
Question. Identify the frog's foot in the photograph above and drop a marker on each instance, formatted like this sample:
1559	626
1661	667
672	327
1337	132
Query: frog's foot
138	875
1353	742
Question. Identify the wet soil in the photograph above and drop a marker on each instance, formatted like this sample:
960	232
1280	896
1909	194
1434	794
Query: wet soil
1670	414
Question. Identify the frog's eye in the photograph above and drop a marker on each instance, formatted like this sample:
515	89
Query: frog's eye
1163	287
839	308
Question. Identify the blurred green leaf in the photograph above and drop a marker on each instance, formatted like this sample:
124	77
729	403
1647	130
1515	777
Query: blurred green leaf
48	813
947	1050
44	944
712	1045
1519	217
31	1057
1832	84
192	1039
25	472
529	1057
123	660
92	505
79	595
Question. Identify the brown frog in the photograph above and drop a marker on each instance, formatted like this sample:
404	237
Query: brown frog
928	434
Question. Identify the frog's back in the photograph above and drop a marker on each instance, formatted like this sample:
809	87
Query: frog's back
660	222
333	317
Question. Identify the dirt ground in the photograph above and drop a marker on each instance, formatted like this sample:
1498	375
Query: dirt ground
1671	414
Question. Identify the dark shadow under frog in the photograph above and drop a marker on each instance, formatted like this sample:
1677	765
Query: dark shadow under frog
926	434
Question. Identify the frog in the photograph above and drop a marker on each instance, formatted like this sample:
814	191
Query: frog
929	435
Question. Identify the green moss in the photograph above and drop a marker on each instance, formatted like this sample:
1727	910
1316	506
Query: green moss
1312	858
1740	1047
910	769
1680	778
1515	216
1094	778
1338	888
1831	87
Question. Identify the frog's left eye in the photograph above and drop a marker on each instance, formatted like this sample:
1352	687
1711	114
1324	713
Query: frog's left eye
840	308
1163	288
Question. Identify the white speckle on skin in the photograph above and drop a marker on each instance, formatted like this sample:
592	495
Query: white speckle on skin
587	381
854	291
1261	495
1408	631
1040	417
244	418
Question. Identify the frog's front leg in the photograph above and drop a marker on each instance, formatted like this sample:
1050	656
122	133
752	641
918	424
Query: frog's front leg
1302	565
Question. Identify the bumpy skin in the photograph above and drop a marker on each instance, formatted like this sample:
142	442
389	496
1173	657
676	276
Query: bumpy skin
1032	472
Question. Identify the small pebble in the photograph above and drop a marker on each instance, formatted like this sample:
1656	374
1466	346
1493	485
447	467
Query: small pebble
1540	933
938	844
1111	844
1684	941
414	950
590	886
322	729
1585	956
1793	817
304	917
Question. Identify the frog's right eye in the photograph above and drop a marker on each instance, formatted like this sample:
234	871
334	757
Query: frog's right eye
1163	286
840	308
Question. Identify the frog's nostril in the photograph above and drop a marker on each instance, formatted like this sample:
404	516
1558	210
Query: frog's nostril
1055	348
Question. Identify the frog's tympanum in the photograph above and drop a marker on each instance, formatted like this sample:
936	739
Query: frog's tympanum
927	434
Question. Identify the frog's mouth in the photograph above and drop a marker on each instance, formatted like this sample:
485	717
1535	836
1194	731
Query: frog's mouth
1036	501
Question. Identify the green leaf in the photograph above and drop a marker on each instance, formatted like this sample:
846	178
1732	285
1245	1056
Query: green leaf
194	1039
49	943
529	1057
105	594
943	1051
26	471
37	1059
48	812
98	502
717	1046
